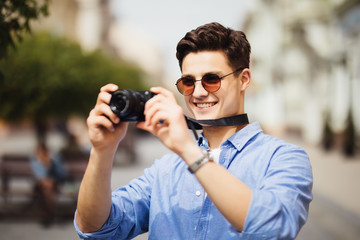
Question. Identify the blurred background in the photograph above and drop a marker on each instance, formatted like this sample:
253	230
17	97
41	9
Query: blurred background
56	54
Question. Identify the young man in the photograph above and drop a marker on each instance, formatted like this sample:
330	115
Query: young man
252	187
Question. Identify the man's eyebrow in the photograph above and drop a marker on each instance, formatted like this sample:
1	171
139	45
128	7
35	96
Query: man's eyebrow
209	72
187	75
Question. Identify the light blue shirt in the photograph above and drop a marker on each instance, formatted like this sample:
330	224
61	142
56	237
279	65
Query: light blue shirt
169	202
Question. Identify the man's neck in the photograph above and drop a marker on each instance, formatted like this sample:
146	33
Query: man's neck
217	135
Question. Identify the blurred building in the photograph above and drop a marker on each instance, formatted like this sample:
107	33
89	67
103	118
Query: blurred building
91	24
306	67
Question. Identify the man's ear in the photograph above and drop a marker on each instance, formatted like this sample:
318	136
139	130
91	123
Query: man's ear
245	79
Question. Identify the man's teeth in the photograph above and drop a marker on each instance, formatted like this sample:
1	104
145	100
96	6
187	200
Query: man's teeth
204	105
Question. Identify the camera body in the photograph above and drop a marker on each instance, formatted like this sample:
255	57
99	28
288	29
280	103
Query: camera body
129	105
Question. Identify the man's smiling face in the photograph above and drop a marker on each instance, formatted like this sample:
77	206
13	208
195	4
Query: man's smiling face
227	101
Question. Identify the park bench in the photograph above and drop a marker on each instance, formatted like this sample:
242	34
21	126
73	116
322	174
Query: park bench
17	167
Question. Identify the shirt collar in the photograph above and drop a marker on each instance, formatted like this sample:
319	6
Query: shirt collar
239	139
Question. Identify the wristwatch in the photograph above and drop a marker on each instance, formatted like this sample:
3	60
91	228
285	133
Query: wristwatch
204	158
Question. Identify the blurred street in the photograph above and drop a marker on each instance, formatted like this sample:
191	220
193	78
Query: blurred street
305	74
334	212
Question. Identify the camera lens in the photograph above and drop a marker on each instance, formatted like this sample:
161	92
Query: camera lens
119	102
129	105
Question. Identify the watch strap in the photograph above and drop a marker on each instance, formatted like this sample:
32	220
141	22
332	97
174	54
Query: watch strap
204	158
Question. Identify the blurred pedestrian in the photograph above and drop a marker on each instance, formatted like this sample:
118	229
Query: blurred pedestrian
49	173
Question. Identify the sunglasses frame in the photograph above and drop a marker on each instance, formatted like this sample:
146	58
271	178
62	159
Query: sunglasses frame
194	80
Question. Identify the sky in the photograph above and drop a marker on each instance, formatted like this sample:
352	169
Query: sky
165	22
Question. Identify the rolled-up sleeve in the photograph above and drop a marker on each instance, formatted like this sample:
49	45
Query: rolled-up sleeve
281	201
129	215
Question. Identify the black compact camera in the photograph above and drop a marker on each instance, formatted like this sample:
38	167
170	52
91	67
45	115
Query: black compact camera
128	105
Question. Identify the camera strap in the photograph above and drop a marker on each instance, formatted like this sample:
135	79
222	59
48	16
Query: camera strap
236	120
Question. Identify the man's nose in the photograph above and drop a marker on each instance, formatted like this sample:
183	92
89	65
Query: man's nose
199	90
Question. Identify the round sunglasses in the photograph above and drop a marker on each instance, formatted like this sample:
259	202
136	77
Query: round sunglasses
211	82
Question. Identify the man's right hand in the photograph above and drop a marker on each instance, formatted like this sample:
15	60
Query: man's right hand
104	127
105	133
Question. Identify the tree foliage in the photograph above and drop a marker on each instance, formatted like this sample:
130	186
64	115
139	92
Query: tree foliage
48	77
15	17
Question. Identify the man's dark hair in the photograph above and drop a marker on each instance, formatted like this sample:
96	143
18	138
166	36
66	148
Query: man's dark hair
214	37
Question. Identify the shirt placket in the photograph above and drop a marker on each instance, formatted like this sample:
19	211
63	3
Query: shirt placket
201	228
204	219
226	155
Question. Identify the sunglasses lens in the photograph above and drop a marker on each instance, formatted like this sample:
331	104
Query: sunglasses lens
211	82
185	85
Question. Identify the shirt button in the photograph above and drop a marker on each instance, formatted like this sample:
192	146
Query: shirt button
198	193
